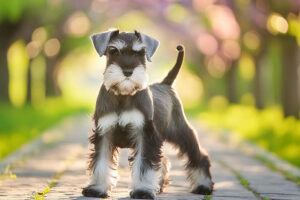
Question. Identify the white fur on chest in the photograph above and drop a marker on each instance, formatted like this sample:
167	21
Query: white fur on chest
109	121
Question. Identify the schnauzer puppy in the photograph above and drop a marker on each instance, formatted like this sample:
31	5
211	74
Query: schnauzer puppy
131	114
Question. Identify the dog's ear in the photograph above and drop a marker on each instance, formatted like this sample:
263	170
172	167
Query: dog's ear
101	40
150	43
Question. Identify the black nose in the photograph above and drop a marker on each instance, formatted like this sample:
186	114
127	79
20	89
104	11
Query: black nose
127	72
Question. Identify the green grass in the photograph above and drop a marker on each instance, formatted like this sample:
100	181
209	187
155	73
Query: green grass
21	125
267	128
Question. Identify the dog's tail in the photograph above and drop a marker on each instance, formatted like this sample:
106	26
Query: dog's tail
169	79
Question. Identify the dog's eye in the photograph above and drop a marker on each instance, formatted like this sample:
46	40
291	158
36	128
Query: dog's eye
139	53
113	51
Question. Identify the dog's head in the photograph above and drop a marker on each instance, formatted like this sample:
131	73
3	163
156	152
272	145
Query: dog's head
126	53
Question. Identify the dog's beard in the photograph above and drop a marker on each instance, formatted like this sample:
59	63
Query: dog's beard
115	80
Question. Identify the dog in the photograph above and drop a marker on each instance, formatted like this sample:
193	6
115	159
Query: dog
130	113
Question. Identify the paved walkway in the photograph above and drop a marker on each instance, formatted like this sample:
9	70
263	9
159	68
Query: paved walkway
58	170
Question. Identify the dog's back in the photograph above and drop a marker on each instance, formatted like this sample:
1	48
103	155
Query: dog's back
168	111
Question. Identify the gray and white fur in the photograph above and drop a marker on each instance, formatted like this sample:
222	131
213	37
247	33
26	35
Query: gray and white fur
130	113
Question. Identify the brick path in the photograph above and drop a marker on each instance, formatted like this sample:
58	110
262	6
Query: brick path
61	165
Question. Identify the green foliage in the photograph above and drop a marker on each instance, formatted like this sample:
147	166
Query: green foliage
20	125
13	10
268	128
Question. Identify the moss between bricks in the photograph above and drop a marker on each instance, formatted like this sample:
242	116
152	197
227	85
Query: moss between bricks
243	181
273	167
40	195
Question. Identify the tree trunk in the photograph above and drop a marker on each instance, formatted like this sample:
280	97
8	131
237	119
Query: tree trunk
52	88
28	98
258	81
290	89
4	76
258	85
7	32
230	81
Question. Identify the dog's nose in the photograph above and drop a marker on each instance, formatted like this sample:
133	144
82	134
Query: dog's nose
127	72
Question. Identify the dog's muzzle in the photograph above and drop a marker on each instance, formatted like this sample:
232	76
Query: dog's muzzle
125	82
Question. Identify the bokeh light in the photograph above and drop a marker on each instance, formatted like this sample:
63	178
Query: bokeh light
78	24
277	24
224	24
251	40
216	66
176	13
207	44
218	103
33	49
246	67
231	49
39	35
52	47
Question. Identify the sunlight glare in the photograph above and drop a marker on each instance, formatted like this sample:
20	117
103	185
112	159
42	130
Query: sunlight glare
277	24
191	95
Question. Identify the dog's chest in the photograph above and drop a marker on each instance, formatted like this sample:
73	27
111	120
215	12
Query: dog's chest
129	118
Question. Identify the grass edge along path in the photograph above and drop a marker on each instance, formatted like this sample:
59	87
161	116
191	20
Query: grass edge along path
267	128
259	154
31	123
46	140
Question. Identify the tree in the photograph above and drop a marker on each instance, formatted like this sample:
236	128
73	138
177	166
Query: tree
290	61
15	23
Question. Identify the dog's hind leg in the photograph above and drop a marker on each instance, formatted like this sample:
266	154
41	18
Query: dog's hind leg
198	163
164	176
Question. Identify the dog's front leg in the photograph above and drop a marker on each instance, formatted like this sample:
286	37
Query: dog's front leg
145	168
104	160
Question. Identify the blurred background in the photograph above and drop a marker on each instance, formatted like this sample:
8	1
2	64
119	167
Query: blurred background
241	70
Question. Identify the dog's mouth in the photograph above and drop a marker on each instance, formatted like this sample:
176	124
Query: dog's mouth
125	87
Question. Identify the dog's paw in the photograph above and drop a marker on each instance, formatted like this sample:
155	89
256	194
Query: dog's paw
91	192
141	194
203	190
